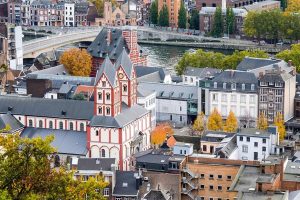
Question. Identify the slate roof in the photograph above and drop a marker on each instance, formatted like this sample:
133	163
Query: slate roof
8	119
41	107
99	164
253	132
141	92
65	142
125	117
155	195
100	47
123	189
275	76
215	136
201	72
124	61
108	70
227	146
57	70
249	63
171	91
150	74
65	88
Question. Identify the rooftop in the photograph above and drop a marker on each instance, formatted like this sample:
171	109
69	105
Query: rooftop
201	72
253	132
264	196
125	184
249	63
98	164
7	119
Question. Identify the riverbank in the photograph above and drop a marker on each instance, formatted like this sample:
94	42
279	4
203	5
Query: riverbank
215	45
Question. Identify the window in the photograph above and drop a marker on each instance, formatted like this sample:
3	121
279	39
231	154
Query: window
264	149
61	125
271	83
229	177
211	187
224	110
97	133
108	96
180	151
103	153
233	86
204	148
81	127
211	176
202	175
243	86
264	140
224	98
51	124
256	144
215	97
215	84
71	126
180	118
171	117
252	99
233	98
202	187
99	96
100	110
241	138
245	149
248	139
224	85
30	123
252	87
103	84
108	111
124	88
243	98
278	84
40	124
219	187
220	176
106	192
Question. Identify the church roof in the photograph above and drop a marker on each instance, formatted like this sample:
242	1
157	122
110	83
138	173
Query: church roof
124	61
108	69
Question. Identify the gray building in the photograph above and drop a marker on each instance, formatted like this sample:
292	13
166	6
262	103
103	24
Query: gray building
192	75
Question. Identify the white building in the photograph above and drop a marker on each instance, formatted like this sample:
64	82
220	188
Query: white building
234	91
254	144
181	148
192	75
69	14
147	99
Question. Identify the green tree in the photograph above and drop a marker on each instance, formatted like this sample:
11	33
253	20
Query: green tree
230	21
163	18
79	97
254	25
218	23
199	124
194	20
214	122
154	12
291	55
291	26
283	4
182	18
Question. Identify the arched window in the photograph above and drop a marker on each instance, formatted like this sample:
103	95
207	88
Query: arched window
71	126
100	110
99	96
107	96
30	123
108	111
61	125
124	88
51	124
40	124
103	153
97	133
81	127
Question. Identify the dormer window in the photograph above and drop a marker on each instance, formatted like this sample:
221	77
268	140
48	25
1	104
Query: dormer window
233	86
103	84
215	84
243	86
224	85
252	87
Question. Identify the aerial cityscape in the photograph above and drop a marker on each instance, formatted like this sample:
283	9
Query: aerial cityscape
149	100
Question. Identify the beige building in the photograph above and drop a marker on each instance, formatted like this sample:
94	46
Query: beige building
114	16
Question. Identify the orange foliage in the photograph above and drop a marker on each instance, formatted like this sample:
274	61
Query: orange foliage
77	62
160	133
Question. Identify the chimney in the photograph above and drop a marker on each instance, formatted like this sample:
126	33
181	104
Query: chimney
261	74
290	63
109	37
232	73
224	5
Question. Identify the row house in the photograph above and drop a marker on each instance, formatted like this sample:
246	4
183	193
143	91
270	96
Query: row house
234	91
113	124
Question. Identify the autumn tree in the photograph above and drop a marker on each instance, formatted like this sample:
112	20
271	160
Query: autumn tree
160	133
262	121
231	123
293	6
199	124
279	122
26	173
78	62
182	18
214	122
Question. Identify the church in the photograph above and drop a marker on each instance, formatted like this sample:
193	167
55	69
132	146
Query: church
113	124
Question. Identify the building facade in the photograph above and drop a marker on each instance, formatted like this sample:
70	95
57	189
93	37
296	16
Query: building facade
173	8
69	14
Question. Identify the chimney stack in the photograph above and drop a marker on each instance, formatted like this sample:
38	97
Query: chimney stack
109	37
290	63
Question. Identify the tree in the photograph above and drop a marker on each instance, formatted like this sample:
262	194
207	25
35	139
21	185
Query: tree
99	4
154	12
79	97
283	4
291	55
291	26
262	122
231	123
182	18
26	173
293	6
77	62
159	134
163	18
217	29
199	124
230	21
254	25
194	20
214	122
279	122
